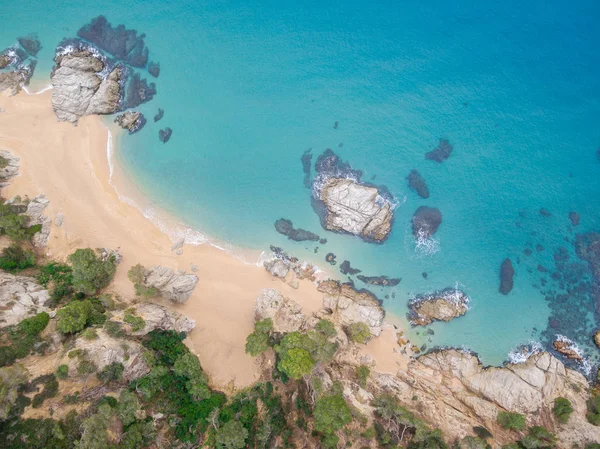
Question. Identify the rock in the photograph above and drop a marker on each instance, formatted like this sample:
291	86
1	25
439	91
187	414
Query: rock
80	87
444	305
507	273
418	184
31	44
545	212
347	305
110	254
154	69
175	286
286	227
20	297
441	152
277	267
35	209
9	167
132	121
425	222
382	281
567	348
424	274
159	115
597	338
165	134
575	218
306	160
15	80
138	91
330	258
5	60
286	314
178	244
356	209
120	42
59	219
106	350
159	317
345	268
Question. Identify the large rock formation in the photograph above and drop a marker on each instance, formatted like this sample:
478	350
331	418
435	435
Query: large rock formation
455	392
20	297
132	121
346	305
158	317
14	80
356	209
444	305
9	167
277	267
81	86
507	273
425	222
176	286
286	314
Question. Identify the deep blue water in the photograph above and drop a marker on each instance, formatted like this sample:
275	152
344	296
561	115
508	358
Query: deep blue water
248	87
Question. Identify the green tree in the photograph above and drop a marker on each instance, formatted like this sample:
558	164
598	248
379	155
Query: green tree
90	273
94	430
470	442
296	363
111	372
362	374
562	409
16	226
257	343
511	420
538	438
128	407
231	435
62	372
188	366
137	323
593	410
14	258
326	328
358	332
73	317
331	413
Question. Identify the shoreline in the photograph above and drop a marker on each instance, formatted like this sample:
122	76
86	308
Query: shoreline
70	166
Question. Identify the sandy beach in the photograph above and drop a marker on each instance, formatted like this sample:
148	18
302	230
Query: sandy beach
69	165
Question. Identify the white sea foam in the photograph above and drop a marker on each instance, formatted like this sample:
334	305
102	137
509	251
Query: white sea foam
426	245
586	364
521	353
45	89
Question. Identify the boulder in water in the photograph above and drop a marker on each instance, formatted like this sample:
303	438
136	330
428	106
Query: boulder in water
286	227
418	184
132	121
159	115
441	152
507	273
575	218
380	281
444	305
154	69
345	268
426	221
138	91
31	44
165	134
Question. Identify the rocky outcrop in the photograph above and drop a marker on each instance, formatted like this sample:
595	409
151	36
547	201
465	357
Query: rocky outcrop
165	134
277	267
176	286
418	184
356	209
566	347
286	314
14	80
441	152
425	222
132	121
345	305
105	350
31	44
159	115
81	86
444	305
286	227
507	273
455	392
158	317
9	167
20	297
35	212
380	281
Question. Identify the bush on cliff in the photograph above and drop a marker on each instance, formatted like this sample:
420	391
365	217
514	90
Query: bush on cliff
593	410
73	317
90	272
358	332
137	275
58	278
331	413
562	410
231	435
538	438
14	258
14	224
511	420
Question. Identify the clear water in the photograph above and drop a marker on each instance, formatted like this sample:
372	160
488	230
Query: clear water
248	87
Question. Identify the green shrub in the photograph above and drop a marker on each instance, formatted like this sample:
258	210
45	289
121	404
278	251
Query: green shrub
111	372
331	413
90	273
358	332
14	258
114	329
137	275
34	325
231	435
538	438
326	328
50	390
86	367
296	363
3	162
482	432
562	409
362	374
73	317
137	323
62	372
593	410
14	224
89	334
258	341
511	421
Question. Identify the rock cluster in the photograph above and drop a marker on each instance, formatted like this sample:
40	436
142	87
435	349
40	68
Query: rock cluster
132	121
14	81
347	305
441	152
425	222
177	286
159	317
286	227
20	297
444	305
380	281
81	86
507	273
286	314
567	348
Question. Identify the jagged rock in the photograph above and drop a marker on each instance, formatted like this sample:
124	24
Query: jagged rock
286	227
5	60
15	80
159	317
165	134
507	273
441	152
106	350
567	348
159	115
286	314
418	184
138	91
346	268
9	167
31	44
381	281
277	267
59	219
575	218
154	69
80	87
20	297
347	305
35	209
425	222
356	209
132	121
444	305
107	254
175	286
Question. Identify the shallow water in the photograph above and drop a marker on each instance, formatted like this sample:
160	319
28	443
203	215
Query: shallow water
248	88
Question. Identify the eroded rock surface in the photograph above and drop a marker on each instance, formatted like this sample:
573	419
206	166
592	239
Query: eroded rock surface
159	317
132	121
277	267
176	286
20	297
286	314
444	305
426	221
9	167
35	212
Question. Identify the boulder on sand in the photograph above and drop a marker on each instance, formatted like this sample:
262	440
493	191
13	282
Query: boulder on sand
176	286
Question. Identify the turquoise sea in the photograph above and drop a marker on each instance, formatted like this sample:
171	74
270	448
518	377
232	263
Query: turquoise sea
248	87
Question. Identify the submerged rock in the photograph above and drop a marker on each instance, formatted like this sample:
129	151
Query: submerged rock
507	273
21	297
306	164
441	152
132	121
418	184
31	44
426	221
138	91
545	212
165	134
444	305
345	268
286	227
330	258
154	69
382	281
575	218
80	87
176	286
159	115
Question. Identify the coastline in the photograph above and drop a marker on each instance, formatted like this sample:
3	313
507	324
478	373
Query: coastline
71	166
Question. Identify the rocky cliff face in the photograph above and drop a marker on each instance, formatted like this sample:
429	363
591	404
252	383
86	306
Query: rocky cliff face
20	297
176	286
286	314
158	317
82	88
